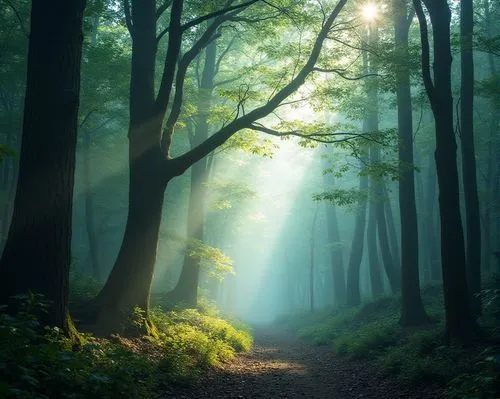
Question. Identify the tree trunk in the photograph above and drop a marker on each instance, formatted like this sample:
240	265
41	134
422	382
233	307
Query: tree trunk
459	323
312	245
186	290
371	239
37	253
473	221
353	297
412	309
89	210
336	257
391	228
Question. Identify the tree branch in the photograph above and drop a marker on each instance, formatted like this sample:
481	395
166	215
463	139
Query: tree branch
317	137
206	17
173	50
163	8
424	39
340	72
128	17
178	165
218	13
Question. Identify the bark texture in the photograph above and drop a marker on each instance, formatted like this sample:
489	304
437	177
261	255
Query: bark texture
37	254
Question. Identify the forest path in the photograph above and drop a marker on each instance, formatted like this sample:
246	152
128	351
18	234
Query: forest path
281	366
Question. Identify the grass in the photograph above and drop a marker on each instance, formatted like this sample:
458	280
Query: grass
41	362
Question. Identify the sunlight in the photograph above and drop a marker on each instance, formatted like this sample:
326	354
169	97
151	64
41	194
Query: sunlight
255	248
369	12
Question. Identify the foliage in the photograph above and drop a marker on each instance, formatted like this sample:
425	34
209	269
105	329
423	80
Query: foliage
483	383
194	341
341	196
417	355
82	286
370	340
41	362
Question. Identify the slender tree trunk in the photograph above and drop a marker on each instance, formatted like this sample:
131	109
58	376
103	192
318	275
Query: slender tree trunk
432	233
186	290
353	297
391	228
336	257
459	323
312	245
412	309
37	252
371	239
89	209
473	220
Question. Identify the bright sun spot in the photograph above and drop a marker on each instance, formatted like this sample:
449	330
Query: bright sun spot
369	12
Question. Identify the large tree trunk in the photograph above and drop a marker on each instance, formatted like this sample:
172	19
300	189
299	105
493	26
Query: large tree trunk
129	283
473	222
460	324
412	309
37	253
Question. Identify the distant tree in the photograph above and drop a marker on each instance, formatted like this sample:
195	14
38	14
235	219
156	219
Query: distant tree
412	309
459	323
37	252
353	296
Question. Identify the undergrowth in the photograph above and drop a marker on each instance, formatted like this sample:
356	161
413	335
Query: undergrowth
415	355
41	362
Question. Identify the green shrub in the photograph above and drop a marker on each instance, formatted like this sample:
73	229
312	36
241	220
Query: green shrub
40	362
370	340
483	383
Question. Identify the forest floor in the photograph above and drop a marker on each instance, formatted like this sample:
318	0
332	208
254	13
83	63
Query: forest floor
281	366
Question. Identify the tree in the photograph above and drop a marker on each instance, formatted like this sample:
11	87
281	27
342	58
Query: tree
151	167
472	216
412	309
37	252
459	323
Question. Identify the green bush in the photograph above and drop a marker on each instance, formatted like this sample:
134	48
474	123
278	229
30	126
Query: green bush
483	383
41	362
370	340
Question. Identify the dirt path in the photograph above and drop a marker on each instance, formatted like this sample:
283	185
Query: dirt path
281	366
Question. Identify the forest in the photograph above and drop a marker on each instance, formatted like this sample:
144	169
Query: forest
250	199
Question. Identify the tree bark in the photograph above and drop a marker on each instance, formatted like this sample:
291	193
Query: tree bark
460	326
336	257
37	253
312	245
186	290
412	309
371	239
472	216
353	297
